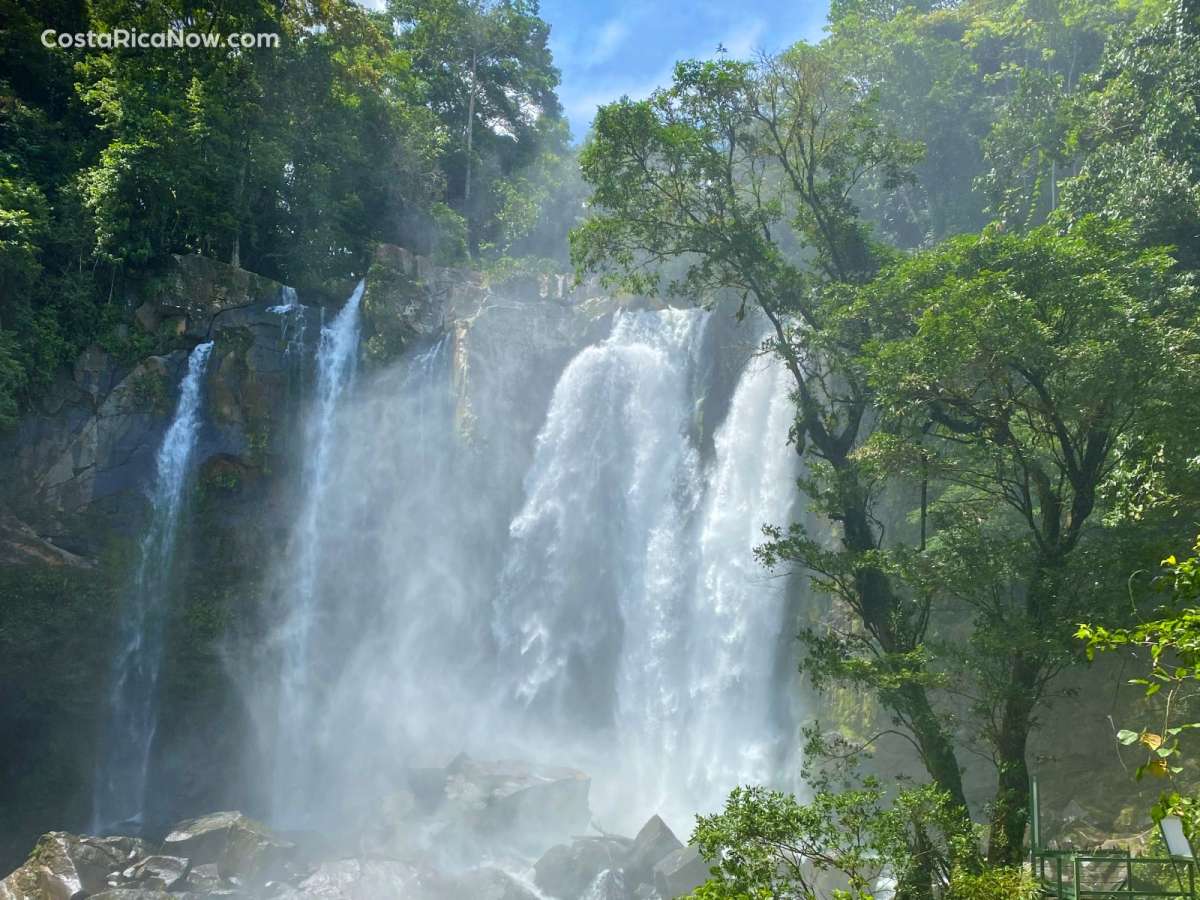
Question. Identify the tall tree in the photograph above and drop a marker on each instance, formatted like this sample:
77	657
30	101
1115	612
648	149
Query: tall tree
490	77
724	170
1020	364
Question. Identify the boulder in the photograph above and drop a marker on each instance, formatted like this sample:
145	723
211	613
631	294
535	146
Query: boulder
652	844
159	872
66	867
680	873
519	799
204	879
567	870
241	847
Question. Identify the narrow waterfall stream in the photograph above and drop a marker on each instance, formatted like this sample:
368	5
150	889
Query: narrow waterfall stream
336	363
120	786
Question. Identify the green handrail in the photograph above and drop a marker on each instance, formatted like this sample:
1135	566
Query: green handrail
1073	862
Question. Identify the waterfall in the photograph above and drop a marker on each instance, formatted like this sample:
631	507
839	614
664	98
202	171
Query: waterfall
589	572
120	785
336	363
737	612
632	611
585	594
295	325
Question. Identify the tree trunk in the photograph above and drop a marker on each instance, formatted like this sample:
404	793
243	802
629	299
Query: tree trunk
470	132
880	612
1010	810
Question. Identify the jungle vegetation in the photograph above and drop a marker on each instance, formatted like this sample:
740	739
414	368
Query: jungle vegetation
973	230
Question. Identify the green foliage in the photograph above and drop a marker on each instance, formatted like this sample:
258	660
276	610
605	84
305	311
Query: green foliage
993	884
767	844
292	161
1170	647
486	72
1139	136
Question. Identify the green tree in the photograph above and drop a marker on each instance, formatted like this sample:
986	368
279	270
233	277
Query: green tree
1138	132
1015	365
490	78
730	170
848	840
1169	646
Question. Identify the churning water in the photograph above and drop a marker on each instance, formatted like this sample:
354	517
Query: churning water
587	597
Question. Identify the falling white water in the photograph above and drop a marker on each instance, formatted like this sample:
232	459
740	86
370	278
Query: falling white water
337	357
589	597
295	324
737	612
613	481
120	786
633	610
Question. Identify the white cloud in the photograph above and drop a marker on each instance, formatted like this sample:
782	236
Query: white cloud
612	35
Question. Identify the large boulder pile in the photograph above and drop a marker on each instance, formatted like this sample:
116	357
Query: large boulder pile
227	854
655	865
468	831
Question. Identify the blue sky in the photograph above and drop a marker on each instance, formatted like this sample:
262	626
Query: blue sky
608	48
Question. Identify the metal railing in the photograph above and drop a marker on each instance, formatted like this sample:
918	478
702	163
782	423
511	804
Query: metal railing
1093	875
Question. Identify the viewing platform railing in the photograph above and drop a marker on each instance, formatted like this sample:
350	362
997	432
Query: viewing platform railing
1070	874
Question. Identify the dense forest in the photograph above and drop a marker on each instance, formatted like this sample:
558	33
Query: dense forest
972	228
432	125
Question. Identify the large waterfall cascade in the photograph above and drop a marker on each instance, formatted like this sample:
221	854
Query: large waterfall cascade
612	617
121	777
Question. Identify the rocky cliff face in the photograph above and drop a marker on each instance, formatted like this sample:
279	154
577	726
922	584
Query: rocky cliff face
75	472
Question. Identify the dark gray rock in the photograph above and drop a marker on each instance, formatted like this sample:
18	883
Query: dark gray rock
680	873
241	847
567	870
516	798
652	844
204	878
67	867
159	872
608	885
483	884
363	879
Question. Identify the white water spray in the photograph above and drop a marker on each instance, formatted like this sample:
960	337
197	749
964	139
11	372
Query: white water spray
120	786
337	357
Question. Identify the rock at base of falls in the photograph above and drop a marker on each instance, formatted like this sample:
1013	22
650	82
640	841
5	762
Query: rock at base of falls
241	847
652	866
520	797
159	872
608	885
680	873
569	870
65	866
455	833
653	843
